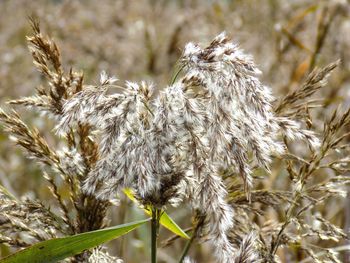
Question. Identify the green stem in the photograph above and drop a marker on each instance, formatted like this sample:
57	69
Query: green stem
187	247
196	228
177	74
155	228
289	214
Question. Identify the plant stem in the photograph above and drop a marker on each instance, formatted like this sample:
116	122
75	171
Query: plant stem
276	243
155	228
196	228
173	79
187	247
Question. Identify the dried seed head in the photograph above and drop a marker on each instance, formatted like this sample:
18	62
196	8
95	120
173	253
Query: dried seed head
215	118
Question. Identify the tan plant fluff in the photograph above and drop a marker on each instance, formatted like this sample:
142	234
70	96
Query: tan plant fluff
204	140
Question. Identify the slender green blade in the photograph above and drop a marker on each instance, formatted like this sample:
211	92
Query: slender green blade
170	224
57	249
165	219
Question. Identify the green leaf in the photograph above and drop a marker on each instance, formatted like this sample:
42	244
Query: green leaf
165	220
57	249
170	224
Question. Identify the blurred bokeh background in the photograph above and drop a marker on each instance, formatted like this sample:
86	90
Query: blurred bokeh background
142	40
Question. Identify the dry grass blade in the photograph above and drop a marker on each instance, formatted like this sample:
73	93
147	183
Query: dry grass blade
315	81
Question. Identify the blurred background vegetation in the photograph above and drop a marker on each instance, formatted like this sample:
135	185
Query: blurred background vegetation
142	40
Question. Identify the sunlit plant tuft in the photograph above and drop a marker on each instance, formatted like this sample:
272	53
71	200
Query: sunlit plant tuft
202	140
